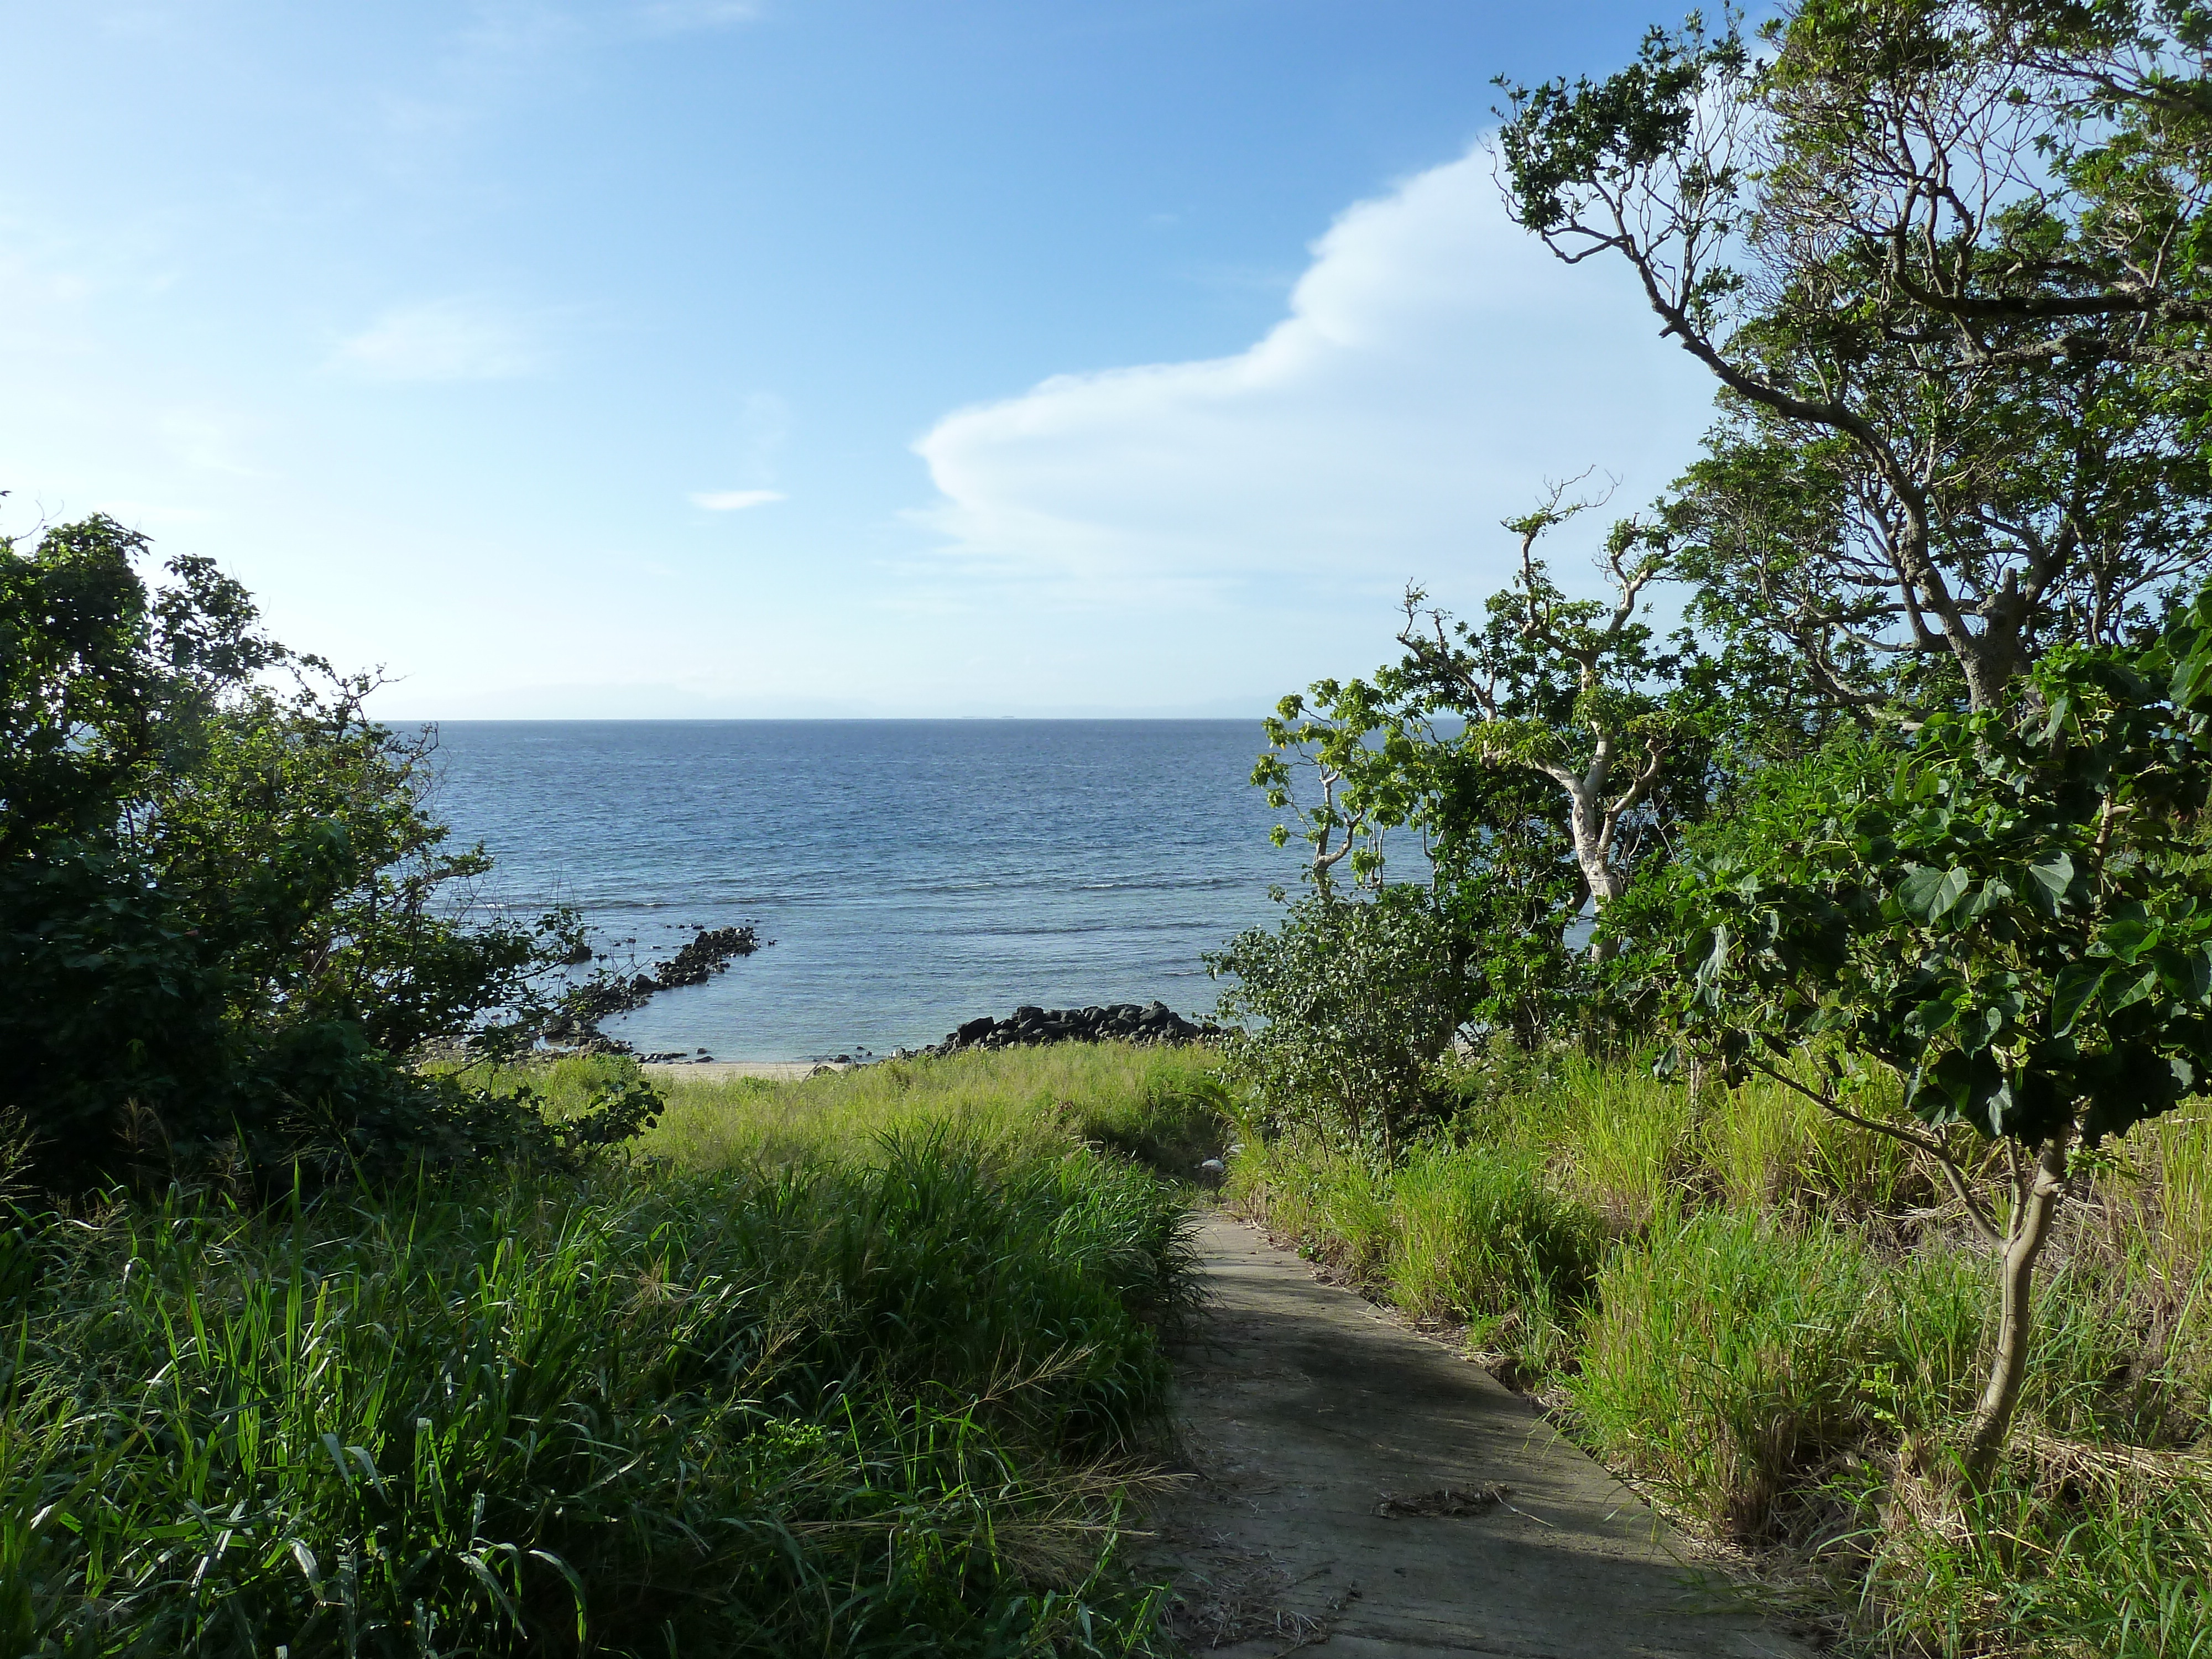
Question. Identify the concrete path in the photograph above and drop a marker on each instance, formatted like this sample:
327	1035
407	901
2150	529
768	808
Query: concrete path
1363	1491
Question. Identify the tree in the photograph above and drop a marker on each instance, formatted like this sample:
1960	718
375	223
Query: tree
227	924
1608	732
1538	755
1881	238
2012	918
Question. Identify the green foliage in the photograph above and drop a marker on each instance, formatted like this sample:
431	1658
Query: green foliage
98	679
227	923
2012	916
1461	1232
1782	1317
1486	1240
1341	1016
1165	1106
2122	1571
855	1410
1732	1357
1534	754
1944	261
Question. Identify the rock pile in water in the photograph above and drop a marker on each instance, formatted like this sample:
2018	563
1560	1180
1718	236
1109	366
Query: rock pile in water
1122	1022
708	952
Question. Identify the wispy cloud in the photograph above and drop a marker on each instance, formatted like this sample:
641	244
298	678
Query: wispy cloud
686	16
208	441
734	501
452	339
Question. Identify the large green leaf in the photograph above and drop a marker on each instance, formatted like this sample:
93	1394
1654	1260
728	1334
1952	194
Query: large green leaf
2124	990
2126	937
1928	893
2075	983
2049	880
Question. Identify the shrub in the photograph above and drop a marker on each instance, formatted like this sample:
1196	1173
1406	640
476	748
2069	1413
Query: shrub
1344	1011
228	924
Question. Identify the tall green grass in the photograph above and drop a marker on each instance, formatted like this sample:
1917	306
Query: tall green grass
1160	1105
868	1380
1776	1321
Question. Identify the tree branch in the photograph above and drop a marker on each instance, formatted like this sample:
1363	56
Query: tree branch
1978	1212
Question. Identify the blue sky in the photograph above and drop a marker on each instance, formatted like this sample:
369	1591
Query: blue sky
810	357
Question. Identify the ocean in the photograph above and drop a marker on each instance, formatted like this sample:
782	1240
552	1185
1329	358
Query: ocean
913	874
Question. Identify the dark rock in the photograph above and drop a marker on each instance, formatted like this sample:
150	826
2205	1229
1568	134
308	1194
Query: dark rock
1029	1025
576	1022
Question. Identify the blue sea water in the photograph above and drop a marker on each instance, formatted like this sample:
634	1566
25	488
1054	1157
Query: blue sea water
912	873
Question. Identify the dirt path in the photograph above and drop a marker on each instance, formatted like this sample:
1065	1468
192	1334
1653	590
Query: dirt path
1365	1492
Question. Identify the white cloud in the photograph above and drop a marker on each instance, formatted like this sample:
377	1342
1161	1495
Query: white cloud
734	501
207	440
1437	365
451	339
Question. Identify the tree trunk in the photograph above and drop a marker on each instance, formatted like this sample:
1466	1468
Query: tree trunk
1606	885
2025	1237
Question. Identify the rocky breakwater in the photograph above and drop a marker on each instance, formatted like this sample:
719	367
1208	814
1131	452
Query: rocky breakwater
708	952
1120	1021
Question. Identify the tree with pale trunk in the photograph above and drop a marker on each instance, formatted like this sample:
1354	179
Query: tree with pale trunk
1942	261
1606	753
1537	755
1946	262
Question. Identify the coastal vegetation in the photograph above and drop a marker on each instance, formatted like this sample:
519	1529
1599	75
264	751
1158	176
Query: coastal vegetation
865	1364
1777	1325
1787	1059
1803	1081
228	923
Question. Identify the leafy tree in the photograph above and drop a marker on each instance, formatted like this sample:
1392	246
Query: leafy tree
1570	690
2012	917
227	924
1941	258
1539	755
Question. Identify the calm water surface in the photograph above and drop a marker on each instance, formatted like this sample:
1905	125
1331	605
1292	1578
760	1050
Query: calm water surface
912	873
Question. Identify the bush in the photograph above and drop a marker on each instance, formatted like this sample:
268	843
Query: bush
1343	1013
227	926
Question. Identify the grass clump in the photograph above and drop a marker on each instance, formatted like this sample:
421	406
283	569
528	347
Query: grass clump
880	1396
1778	1324
1732	1355
1461	1233
1160	1105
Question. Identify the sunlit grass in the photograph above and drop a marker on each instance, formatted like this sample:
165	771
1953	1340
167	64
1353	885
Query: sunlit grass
1160	1105
859	1365
1778	1323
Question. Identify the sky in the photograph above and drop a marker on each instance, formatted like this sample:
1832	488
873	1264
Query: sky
800	358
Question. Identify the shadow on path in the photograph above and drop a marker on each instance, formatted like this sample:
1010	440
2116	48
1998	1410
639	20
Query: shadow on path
1363	1492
